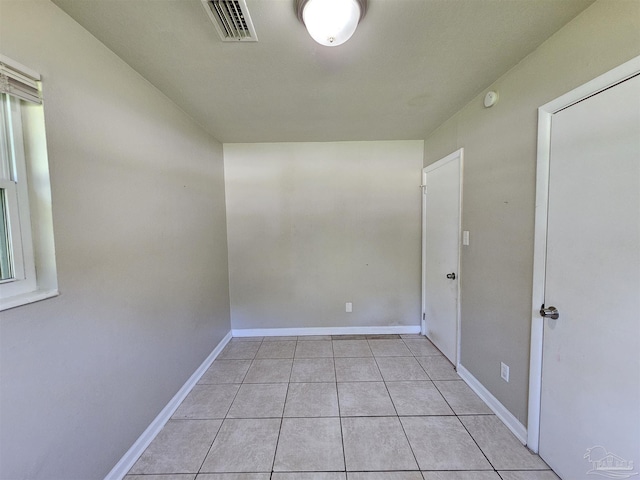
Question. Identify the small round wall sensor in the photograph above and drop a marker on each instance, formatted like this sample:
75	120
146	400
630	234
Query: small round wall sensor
490	99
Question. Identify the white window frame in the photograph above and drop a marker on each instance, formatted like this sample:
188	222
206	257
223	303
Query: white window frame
31	257
13	182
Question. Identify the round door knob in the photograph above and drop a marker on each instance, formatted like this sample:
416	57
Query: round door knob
549	312
451	276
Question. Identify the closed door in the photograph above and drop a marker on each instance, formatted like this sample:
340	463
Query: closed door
590	400
441	252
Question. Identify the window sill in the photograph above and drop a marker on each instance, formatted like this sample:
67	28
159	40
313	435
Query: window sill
26	298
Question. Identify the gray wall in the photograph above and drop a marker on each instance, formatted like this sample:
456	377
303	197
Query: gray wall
139	220
499	188
314	225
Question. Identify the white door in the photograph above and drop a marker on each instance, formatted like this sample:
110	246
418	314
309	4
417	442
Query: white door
590	400
441	202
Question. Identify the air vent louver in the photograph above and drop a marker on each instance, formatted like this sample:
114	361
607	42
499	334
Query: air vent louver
231	19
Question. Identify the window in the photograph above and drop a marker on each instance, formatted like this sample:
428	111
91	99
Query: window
17	270
27	261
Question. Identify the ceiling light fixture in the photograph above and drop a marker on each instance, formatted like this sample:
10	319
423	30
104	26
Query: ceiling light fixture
331	22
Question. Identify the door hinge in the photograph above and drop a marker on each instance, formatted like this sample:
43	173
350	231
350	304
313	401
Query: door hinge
424	316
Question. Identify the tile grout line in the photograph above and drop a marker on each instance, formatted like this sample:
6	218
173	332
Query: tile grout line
415	459
275	453
476	443
335	372
225	417
444	398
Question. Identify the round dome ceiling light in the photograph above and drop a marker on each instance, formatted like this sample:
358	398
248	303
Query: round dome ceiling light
331	22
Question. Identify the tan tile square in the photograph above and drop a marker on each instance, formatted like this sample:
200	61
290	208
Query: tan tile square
225	371
269	370
311	400
313	370
529	475
442	443
438	367
502	448
239	351
389	348
229	476
207	401
422	347
177	476
376	444
309	445
364	399
276	349
351	348
384	476
461	398
180	447
417	398
357	370
243	445
314	349
259	401
309	476
461	475
400	368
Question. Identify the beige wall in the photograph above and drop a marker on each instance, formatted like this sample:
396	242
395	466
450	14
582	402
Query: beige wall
499	187
314	225
139	220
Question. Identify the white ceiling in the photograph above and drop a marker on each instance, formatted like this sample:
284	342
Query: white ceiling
410	65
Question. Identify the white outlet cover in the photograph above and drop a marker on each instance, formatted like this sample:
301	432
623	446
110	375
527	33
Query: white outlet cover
348	307
504	371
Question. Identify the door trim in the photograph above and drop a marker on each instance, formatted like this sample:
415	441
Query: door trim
545	114
457	155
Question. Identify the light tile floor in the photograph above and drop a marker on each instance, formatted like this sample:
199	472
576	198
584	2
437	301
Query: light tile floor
372	407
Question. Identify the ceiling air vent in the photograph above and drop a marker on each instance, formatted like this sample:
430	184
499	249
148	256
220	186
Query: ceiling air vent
231	19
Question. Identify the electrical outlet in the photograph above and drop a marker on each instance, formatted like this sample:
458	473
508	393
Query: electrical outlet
504	371
348	307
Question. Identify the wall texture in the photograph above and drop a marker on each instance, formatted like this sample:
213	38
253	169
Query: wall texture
499	187
139	222
314	225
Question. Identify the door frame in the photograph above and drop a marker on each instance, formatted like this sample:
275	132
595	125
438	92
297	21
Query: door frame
545	115
459	156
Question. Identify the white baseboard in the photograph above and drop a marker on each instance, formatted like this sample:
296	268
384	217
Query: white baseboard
512	423
129	459
300	332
